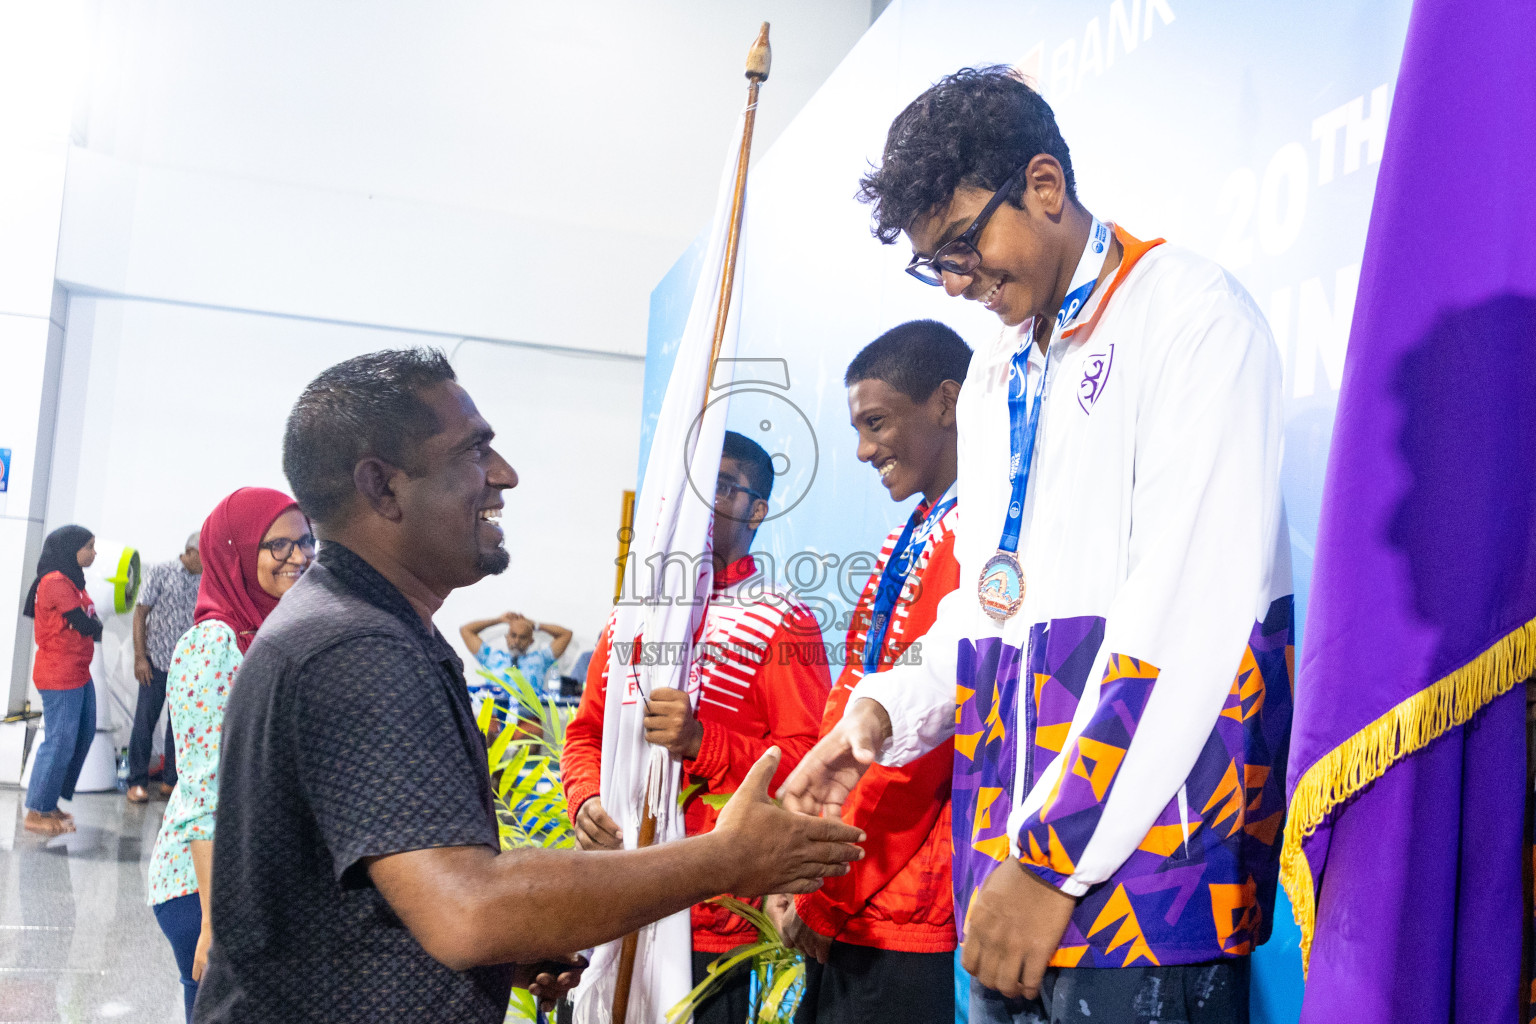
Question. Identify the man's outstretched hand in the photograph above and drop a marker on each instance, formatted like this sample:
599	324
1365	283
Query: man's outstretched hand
826	775
776	850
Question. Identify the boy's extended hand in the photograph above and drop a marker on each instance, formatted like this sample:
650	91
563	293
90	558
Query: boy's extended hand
827	774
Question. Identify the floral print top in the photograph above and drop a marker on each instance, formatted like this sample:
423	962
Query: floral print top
197	688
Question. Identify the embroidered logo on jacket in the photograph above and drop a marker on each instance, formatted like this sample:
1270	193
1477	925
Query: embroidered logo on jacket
1095	376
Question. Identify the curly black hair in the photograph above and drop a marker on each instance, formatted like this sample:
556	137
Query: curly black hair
971	129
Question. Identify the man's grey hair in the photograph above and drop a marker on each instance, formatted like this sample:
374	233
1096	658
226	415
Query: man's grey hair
192	540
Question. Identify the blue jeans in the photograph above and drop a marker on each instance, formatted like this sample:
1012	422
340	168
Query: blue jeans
181	918
69	726
1215	992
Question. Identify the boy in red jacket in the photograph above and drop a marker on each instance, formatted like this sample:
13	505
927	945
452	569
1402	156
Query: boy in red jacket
880	940
764	683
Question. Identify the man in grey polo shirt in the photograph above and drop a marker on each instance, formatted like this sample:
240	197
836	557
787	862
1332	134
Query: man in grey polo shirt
166	603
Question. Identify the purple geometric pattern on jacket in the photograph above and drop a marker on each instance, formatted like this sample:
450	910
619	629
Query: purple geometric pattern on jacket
985	755
1061	654
1174	900
1055	836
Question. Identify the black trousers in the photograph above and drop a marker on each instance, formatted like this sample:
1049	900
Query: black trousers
732	1001
862	985
145	714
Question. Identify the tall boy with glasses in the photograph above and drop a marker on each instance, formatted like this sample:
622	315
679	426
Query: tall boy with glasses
763	682
1115	666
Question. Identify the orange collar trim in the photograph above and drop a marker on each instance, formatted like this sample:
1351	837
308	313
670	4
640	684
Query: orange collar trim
1135	249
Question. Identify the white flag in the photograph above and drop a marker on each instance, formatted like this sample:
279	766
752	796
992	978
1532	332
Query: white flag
661	612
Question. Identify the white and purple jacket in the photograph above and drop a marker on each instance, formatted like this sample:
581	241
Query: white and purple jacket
1125	733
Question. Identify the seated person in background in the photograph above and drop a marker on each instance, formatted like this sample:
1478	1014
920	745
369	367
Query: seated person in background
357	853
533	662
764	683
519	651
879	942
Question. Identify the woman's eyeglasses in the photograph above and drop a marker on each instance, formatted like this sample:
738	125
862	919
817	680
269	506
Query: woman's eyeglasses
282	547
959	256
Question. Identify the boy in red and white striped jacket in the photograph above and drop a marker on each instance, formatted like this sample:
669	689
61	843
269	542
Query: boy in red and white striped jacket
880	940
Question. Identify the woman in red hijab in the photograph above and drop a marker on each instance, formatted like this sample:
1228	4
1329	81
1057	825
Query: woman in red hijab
255	546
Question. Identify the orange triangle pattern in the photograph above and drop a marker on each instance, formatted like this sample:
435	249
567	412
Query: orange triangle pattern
962	695
1230	796
1068	956
1052	737
1266	829
1130	935
1235	909
997	848
1054	856
984	801
995	720
1097	762
967	744
1254	777
1165	840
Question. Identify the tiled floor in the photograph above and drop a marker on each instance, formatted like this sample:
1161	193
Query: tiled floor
77	941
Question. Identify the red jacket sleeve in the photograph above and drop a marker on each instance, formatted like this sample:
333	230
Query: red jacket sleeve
789	693
896	807
581	763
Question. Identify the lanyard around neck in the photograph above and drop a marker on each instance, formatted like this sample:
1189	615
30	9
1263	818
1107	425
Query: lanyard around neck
1022	431
894	577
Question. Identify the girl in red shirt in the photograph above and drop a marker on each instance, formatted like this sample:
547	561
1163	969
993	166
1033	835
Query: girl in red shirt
66	629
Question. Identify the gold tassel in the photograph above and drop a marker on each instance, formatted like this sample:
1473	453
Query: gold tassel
1366	756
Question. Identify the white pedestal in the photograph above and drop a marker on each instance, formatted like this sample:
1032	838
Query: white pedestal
97	775
13	747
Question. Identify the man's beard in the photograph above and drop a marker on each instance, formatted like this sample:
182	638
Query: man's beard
493	563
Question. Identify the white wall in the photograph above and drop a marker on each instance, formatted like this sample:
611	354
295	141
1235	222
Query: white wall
257	191
507	170
168	408
38	70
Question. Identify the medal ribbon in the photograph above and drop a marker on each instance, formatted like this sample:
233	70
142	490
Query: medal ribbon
1021	431
894	578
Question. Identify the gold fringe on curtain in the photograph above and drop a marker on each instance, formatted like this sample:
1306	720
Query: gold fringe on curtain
1366	756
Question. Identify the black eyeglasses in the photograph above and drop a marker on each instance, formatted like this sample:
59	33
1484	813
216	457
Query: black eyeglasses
282	547
959	256
726	488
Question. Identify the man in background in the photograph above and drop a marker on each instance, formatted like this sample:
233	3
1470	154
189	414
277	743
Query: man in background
519	652
164	613
763	680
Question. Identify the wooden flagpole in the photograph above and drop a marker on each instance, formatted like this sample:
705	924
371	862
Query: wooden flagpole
759	57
